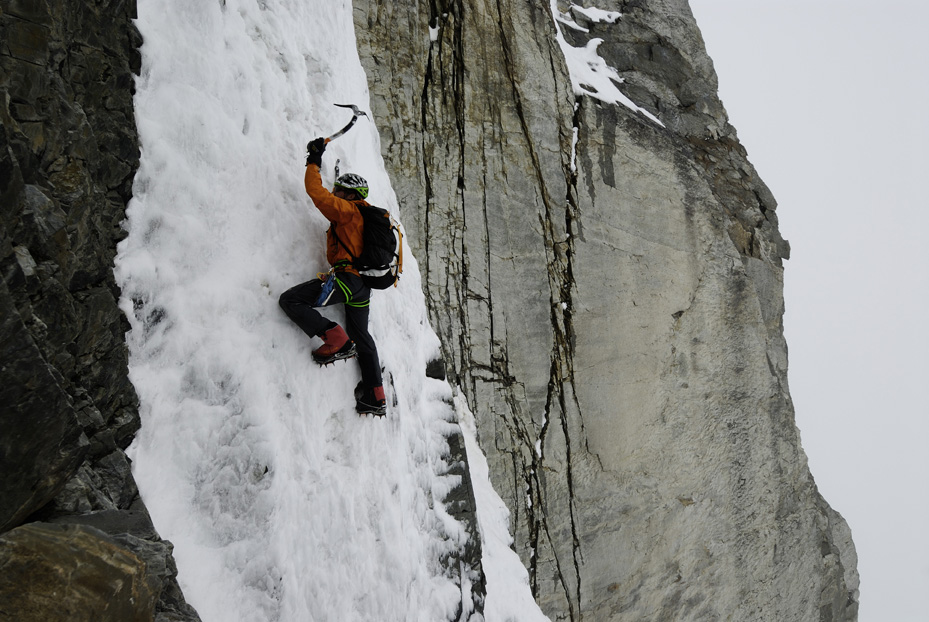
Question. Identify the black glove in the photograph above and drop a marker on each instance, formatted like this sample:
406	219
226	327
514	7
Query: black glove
314	152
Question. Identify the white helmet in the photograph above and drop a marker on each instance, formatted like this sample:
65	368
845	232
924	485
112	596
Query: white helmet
351	181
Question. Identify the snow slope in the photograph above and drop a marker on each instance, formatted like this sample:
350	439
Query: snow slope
281	502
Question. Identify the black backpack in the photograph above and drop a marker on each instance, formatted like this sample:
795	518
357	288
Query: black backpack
381	260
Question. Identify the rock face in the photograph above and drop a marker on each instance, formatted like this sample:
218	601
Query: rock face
68	154
608	291
76	573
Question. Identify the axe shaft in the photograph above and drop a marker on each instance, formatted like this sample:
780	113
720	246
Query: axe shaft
356	112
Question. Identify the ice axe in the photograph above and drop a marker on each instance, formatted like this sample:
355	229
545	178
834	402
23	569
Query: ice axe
356	112
316	150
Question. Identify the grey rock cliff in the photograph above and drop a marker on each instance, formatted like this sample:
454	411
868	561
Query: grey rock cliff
611	306
68	154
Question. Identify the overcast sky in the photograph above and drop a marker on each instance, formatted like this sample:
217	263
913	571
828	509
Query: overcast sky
830	98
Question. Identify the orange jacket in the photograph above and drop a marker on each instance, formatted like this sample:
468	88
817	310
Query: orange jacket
343	215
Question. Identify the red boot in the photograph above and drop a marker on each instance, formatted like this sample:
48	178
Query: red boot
336	347
370	401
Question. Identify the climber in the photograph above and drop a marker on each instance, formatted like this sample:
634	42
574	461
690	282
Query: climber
342	284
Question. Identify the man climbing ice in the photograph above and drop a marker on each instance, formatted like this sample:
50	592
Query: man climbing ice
341	285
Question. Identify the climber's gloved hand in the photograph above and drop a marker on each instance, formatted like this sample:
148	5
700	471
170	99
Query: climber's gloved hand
314	152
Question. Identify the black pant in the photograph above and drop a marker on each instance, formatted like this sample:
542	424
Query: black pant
299	301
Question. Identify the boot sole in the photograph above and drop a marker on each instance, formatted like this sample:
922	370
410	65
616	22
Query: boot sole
325	361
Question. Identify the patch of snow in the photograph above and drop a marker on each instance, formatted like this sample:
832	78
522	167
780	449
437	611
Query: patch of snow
590	74
574	136
597	15
568	21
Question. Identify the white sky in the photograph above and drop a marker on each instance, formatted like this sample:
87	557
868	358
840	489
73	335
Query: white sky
829	97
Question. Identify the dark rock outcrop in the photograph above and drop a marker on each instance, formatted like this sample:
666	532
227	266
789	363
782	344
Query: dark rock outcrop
68	154
73	573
